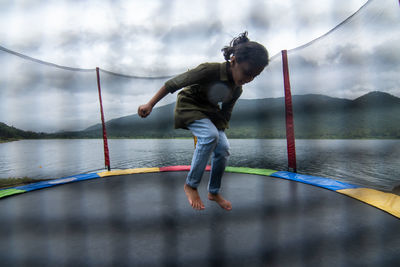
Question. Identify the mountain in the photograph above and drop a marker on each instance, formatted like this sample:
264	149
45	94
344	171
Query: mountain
12	133
374	115
158	125
376	99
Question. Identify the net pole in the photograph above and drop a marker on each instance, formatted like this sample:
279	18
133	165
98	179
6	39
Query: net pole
105	142
290	138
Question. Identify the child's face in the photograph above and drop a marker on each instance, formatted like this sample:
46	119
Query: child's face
243	72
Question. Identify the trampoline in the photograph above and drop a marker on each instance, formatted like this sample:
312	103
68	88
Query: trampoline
141	217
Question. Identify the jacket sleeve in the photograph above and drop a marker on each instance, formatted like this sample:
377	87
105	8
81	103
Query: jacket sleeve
201	74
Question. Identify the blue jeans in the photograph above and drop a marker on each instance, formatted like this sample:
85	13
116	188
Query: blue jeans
210	140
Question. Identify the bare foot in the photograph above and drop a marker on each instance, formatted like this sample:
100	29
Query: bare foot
193	197
225	204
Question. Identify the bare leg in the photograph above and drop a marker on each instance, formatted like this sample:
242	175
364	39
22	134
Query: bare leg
225	204
193	197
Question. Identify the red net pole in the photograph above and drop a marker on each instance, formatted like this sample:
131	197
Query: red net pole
106	152
291	148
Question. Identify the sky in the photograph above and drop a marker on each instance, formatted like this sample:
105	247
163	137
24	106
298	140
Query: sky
166	37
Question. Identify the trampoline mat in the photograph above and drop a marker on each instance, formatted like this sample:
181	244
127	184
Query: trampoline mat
146	220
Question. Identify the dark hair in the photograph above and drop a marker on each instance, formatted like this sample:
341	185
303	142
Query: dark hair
245	50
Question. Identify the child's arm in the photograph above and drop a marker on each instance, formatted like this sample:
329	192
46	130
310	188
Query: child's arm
145	110
200	74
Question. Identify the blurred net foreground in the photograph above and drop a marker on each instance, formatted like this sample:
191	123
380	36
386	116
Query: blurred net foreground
145	220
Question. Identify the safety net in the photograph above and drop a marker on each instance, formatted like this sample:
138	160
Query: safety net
345	87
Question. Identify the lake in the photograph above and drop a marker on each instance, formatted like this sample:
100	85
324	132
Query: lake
370	163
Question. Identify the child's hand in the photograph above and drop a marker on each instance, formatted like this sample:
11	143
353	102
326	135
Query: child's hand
145	110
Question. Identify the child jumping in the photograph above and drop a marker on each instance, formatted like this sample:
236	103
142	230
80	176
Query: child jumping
205	106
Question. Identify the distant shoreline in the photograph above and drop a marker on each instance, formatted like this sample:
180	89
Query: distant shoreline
8	140
185	138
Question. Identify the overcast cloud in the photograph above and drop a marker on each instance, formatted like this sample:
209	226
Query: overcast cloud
166	37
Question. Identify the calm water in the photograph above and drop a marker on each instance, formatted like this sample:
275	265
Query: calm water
371	163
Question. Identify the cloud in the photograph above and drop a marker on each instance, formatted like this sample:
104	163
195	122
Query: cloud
158	38
387	55
259	16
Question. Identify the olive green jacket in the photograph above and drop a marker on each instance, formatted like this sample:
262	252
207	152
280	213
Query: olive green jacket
209	92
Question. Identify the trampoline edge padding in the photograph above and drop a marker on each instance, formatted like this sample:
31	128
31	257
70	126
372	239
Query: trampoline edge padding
327	183
10	191
387	202
127	171
44	184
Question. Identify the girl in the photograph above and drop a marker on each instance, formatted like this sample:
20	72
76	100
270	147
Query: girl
205	106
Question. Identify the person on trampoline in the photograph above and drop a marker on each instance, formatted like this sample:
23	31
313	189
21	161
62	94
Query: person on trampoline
205	106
